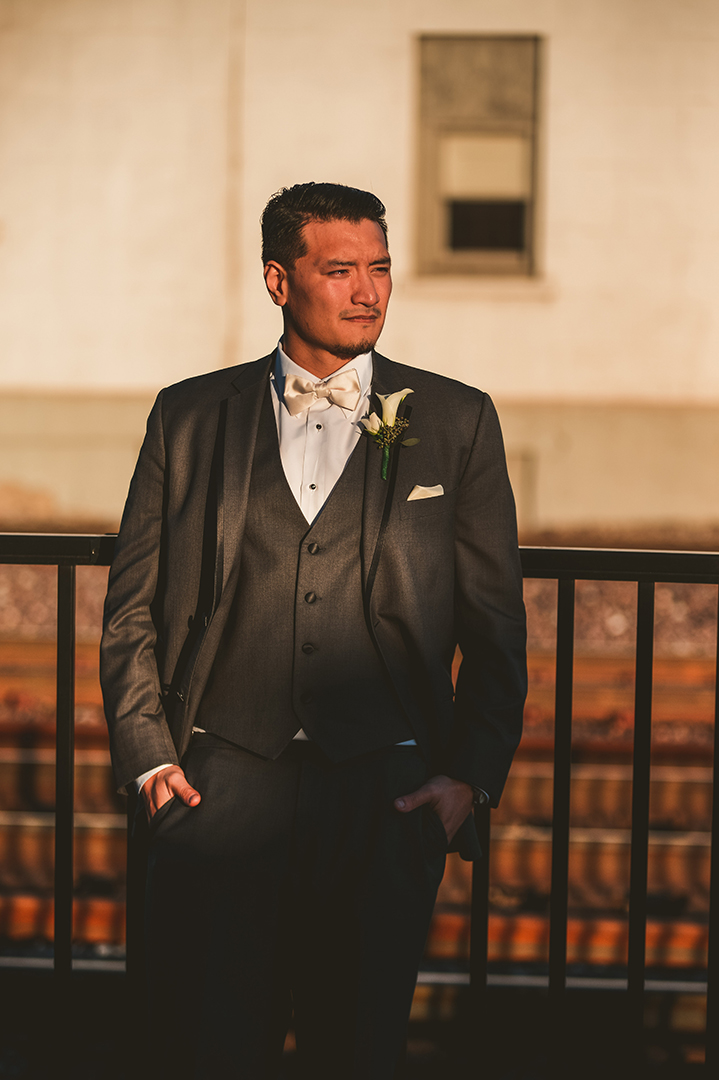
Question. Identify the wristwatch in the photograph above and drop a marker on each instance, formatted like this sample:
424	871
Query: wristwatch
480	797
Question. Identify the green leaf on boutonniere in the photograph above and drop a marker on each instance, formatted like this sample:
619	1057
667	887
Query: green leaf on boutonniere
410	442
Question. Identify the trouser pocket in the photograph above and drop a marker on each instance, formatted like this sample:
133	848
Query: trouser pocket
159	816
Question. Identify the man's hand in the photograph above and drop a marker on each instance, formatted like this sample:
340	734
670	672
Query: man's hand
163	785
450	799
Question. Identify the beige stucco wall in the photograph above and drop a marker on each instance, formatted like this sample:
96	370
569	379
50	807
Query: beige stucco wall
139	140
113	190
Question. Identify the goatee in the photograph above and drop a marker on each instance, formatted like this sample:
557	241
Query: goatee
348	352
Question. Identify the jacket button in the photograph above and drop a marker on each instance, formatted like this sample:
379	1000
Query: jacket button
307	648
306	698
313	548
310	597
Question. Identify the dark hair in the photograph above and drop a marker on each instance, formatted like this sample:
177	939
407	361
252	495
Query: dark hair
289	210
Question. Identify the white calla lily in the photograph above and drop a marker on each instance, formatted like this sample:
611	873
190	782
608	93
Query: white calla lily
390	404
389	429
372	423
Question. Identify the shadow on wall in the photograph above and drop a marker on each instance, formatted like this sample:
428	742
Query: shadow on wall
24	508
661	536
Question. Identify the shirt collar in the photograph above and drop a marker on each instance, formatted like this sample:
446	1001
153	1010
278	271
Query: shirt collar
284	366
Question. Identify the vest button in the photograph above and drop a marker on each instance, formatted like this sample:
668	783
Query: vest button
306	698
310	597
307	648
313	548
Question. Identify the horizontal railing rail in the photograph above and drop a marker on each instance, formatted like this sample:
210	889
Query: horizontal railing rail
567	566
57	549
608	564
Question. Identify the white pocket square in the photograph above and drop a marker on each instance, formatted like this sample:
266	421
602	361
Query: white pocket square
419	492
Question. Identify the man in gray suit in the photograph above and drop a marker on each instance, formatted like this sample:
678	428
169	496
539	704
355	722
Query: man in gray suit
306	540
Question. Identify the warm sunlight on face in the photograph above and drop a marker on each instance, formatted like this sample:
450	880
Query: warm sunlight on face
335	298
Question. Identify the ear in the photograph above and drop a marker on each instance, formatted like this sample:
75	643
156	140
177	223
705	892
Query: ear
276	281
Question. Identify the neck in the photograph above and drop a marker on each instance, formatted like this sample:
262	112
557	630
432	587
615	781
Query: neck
318	362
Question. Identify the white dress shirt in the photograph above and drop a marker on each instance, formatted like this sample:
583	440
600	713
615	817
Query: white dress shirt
316	444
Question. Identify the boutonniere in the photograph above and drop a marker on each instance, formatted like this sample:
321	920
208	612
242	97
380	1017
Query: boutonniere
388	430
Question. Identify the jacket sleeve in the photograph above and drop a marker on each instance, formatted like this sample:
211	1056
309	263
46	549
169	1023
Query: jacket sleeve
140	738
489	617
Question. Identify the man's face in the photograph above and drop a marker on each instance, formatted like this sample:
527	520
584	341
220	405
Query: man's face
335	297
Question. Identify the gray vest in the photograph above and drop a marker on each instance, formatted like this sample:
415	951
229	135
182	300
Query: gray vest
296	651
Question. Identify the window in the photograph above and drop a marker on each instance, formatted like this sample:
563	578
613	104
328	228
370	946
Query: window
478	115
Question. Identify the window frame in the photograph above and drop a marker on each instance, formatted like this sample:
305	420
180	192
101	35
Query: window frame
434	256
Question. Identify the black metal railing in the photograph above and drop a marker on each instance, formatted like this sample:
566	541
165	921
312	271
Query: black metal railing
567	566
646	568
67	552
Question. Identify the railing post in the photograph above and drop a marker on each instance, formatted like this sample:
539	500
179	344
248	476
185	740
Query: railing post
479	925
561	791
478	1025
135	925
64	771
712	1027
558	901
640	805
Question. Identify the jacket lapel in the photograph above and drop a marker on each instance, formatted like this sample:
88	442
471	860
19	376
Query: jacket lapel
243	417
376	490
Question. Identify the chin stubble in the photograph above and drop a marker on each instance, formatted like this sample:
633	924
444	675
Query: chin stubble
348	352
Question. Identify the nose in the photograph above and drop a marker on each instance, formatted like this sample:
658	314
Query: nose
365	290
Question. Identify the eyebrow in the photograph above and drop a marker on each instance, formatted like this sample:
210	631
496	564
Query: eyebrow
384	261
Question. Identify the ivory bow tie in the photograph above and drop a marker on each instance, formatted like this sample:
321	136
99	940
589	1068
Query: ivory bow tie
342	390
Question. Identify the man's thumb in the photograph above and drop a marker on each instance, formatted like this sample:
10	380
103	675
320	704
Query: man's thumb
406	803
189	796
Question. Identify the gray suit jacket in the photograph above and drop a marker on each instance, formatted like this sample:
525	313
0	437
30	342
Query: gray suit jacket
446	571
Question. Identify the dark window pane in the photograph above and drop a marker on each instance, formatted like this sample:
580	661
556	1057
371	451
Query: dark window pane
487	226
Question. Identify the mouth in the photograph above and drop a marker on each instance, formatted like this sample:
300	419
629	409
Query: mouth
363	320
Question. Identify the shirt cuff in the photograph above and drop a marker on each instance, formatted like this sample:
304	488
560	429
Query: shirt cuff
150	772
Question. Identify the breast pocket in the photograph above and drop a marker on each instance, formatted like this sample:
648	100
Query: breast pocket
418	509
